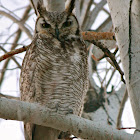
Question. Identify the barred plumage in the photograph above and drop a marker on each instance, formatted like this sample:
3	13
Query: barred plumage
55	70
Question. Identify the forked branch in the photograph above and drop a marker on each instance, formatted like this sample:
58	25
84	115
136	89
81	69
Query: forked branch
108	54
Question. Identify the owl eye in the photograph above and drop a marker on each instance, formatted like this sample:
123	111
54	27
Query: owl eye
67	23
46	25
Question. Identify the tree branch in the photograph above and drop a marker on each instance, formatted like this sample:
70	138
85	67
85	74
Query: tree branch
88	36
89	20
125	97
11	57
20	24
14	44
110	55
9	97
128	40
34	113
16	39
11	53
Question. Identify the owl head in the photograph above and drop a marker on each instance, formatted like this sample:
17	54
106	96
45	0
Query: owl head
55	24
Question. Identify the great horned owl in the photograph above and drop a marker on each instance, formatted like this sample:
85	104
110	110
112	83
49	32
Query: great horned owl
55	70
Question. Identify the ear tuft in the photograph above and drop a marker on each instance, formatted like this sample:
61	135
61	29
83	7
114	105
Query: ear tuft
70	7
40	8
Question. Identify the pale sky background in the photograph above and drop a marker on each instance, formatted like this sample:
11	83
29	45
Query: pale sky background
13	130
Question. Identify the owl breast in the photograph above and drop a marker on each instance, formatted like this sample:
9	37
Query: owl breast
60	74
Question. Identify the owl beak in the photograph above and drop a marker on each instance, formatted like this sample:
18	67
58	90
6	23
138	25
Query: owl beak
57	32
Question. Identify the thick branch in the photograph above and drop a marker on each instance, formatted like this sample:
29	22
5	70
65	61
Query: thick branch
13	52
89	35
29	112
125	17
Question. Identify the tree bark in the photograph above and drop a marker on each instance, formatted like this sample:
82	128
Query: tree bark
126	16
80	127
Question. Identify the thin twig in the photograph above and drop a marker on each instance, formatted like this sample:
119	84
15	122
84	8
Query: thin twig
125	97
1	70
14	15
9	37
20	24
107	71
18	9
19	66
5	65
102	8
14	44
105	24
129	128
85	9
89	20
116	50
113	72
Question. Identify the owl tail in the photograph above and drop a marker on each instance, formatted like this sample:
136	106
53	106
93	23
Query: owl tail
37	132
